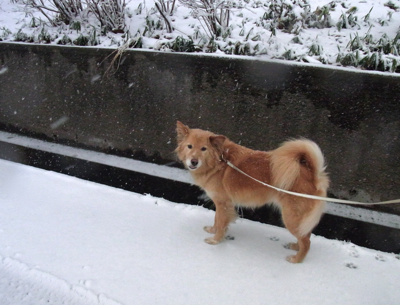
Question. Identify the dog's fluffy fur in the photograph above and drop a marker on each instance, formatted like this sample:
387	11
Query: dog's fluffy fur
297	165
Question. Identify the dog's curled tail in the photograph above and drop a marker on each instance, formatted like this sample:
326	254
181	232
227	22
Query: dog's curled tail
299	162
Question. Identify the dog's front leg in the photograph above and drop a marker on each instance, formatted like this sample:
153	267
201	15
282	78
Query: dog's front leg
224	214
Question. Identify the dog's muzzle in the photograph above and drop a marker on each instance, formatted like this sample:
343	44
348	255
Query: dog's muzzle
193	164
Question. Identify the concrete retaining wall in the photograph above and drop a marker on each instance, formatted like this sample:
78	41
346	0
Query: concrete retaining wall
65	94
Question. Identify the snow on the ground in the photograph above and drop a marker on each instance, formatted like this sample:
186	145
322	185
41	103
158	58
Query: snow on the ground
374	27
68	241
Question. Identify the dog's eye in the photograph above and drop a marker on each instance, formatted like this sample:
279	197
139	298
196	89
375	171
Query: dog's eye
203	148
190	146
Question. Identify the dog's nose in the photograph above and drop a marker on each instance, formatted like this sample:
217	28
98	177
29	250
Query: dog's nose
194	162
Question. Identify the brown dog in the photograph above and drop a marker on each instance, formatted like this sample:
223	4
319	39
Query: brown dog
296	166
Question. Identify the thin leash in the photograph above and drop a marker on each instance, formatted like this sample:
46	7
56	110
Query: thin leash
306	195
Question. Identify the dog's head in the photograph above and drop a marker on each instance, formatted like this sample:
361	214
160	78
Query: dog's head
199	150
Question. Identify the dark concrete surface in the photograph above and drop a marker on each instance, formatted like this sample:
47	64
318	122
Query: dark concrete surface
64	94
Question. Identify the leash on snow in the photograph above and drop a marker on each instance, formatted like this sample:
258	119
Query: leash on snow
306	195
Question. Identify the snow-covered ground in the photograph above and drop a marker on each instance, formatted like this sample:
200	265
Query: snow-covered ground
68	241
360	33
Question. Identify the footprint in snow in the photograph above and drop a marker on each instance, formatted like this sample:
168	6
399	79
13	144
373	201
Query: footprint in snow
351	266
86	283
353	253
380	258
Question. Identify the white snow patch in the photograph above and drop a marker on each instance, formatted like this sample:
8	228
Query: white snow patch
67	240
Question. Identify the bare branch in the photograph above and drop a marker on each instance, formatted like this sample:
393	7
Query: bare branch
66	10
163	15
110	13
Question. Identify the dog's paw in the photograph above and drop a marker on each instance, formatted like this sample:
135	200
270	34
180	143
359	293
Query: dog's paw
292	259
211	241
209	229
291	246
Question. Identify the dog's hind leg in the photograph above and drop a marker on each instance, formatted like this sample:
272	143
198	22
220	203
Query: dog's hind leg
300	216
293	218
302	246
224	214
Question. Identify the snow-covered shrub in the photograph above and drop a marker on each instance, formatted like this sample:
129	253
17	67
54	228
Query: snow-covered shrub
349	59
383	45
392	5
210	46
180	44
387	45
65	10
81	40
294	15
23	37
378	61
152	24
44	36
35	22
239	48
110	14
288	54
287	15
4	33
372	55
215	14
65	40
87	40
348	20
76	25
356	43
321	17
278	28
315	49
282	13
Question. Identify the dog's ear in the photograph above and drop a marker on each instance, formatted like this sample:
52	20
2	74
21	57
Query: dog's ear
218	142
182	131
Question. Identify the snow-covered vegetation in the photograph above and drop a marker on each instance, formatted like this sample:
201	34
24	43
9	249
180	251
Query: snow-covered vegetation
357	33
